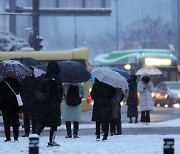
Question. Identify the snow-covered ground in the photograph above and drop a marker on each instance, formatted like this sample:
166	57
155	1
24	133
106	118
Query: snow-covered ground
124	144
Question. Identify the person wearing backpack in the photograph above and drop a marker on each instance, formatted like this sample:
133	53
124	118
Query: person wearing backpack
71	107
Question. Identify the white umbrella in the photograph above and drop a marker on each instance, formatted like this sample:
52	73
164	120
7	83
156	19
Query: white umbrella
148	70
110	77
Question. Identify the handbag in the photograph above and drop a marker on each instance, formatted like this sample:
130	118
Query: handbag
18	96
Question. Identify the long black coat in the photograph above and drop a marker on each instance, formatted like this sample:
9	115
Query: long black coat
8	98
132	100
101	94
28	88
49	94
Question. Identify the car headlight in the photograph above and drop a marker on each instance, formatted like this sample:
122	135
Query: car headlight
166	96
152	94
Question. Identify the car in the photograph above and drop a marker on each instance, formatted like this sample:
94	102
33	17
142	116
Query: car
167	93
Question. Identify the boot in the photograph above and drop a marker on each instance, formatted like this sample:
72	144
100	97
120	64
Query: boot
98	137
7	140
51	144
25	135
104	138
68	136
136	120
130	120
75	136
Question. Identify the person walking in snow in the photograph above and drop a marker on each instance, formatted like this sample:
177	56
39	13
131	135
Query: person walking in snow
49	95
145	88
71	107
102	108
132	100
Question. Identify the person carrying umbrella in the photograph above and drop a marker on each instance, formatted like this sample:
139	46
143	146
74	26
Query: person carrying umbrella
71	107
9	107
102	109
49	94
145	87
30	108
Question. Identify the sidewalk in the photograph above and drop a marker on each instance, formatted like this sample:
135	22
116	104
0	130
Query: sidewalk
86	123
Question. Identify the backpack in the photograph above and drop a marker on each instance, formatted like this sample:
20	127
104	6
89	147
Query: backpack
72	97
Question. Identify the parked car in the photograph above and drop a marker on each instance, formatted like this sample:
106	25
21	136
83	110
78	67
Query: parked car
167	93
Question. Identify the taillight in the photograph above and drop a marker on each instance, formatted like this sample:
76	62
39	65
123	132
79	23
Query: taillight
89	99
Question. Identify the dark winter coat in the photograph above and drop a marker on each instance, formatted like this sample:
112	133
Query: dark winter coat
49	94
116	100
8	98
101	94
132	100
28	88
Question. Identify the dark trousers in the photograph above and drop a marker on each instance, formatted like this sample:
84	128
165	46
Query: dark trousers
11	119
145	116
30	119
52	133
75	127
105	127
115	126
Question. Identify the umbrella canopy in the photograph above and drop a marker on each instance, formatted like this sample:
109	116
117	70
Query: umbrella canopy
28	61
123	73
73	72
110	77
15	69
149	70
38	72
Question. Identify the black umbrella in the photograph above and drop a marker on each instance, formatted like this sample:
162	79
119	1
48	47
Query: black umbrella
15	69
27	61
73	72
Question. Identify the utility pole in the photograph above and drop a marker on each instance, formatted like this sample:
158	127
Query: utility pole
117	25
12	18
35	14
178	31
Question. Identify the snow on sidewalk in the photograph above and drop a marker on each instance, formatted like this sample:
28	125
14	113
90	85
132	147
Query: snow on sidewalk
124	144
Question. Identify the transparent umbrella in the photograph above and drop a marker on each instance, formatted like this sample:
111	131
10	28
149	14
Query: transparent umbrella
148	70
110	77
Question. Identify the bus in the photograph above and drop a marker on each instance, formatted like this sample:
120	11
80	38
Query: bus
78	54
132	60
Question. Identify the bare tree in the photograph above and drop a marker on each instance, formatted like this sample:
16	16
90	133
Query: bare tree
152	33
105	42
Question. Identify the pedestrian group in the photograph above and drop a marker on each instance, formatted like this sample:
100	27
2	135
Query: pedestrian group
42	97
